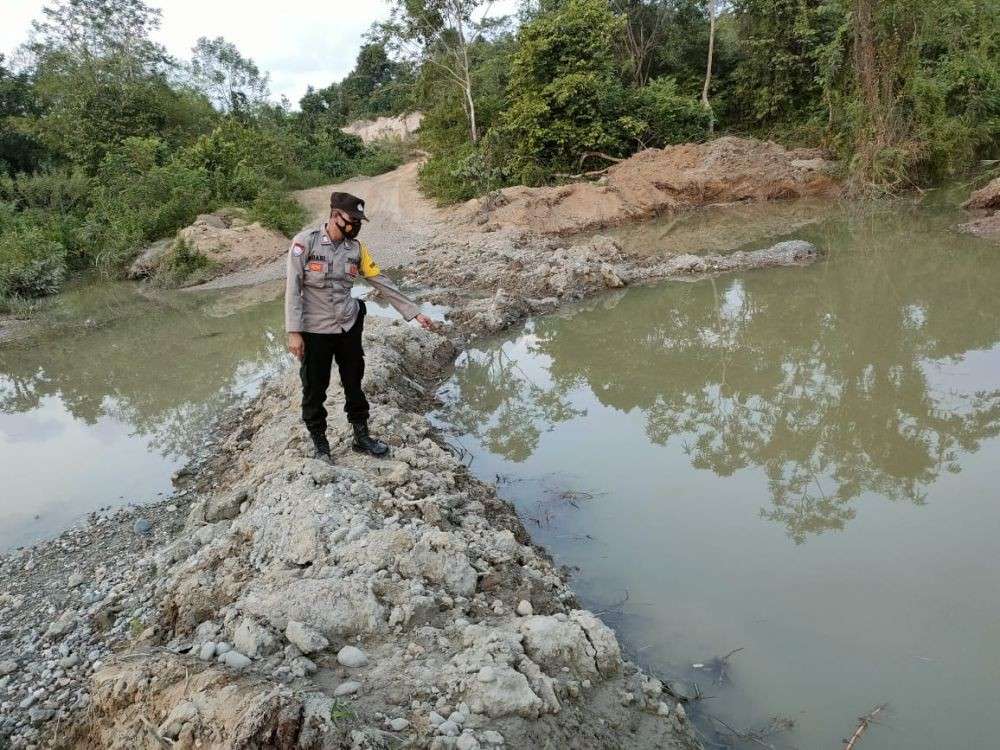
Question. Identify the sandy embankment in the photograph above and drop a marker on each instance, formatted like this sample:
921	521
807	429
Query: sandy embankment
985	204
370	604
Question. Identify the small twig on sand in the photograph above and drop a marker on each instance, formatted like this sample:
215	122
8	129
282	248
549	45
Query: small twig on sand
863	723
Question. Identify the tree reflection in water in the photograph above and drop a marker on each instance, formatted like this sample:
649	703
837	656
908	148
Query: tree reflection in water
160	366
822	377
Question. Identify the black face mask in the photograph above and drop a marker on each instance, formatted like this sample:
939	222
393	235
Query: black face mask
352	230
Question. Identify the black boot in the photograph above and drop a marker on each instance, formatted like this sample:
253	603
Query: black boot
321	446
365	443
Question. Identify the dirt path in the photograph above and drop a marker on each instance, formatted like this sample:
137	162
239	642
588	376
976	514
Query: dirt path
401	221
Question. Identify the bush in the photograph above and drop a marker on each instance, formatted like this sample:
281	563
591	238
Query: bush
31	263
240	160
278	210
670	116
181	265
380	157
466	172
135	200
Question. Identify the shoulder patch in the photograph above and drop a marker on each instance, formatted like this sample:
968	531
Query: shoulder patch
298	248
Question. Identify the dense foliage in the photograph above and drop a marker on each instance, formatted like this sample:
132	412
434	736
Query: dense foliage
905	92
106	143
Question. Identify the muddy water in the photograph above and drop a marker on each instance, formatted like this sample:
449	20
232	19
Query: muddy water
799	463
119	390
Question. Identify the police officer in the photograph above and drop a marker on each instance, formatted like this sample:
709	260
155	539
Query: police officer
324	322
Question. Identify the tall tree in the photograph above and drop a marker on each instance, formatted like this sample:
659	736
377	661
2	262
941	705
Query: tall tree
93	32
442	33
233	82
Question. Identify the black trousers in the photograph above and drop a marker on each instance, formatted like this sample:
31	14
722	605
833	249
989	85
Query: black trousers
321	350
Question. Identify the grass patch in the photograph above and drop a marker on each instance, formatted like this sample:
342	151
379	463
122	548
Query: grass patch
341	711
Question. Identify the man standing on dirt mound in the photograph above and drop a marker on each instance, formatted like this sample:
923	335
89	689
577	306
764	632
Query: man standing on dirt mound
324	322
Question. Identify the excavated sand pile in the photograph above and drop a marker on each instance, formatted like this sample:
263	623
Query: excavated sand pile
725	170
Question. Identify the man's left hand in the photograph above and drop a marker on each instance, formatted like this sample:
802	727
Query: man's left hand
425	322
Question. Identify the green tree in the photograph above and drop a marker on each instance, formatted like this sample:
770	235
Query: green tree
231	81
567	96
442	34
19	151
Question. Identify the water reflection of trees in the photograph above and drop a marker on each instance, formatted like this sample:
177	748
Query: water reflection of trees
503	406
166	371
818	376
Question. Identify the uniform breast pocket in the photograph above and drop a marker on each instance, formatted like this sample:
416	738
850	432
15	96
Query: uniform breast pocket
315	274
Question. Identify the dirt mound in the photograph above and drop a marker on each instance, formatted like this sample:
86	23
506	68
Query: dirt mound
368	605
225	238
725	170
987	197
232	243
399	127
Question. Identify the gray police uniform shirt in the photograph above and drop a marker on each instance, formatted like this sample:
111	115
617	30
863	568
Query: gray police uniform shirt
320	276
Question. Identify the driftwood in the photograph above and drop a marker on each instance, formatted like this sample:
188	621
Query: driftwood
863	723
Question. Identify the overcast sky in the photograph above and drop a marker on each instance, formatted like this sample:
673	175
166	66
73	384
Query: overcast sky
299	42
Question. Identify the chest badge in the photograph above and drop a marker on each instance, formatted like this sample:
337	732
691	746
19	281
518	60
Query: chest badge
351	268
316	265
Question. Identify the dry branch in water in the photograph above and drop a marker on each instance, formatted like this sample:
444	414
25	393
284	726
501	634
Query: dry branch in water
863	723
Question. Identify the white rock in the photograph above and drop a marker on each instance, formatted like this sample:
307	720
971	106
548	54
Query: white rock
492	737
679	712
458	717
207	651
305	638
663	709
347	688
449	728
486	674
222	647
352	656
235	660
8	667
435	719
524	608
254	640
467	742
398	725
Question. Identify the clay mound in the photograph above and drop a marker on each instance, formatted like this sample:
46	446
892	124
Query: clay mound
689	175
225	237
987	197
232	243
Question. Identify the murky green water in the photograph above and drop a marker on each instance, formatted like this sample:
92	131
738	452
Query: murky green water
801	463
105	405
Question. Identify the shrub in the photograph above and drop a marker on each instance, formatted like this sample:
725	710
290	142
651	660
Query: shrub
380	157
135	201
278	210
181	265
240	160
669	116
31	263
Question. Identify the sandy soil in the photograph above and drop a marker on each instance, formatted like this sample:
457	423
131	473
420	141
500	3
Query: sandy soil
401	220
690	175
